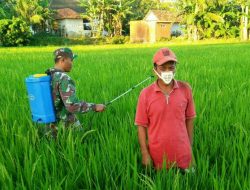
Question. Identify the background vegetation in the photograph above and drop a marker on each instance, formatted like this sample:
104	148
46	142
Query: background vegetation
202	19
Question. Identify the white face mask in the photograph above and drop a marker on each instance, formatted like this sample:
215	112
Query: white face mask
167	76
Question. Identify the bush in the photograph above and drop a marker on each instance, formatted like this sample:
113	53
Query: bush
127	39
164	39
176	33
14	32
117	40
44	39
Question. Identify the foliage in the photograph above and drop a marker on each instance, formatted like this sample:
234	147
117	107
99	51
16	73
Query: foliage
121	10
211	19
176	33
202	18
114	16
14	32
33	12
97	12
6	9
118	40
44	39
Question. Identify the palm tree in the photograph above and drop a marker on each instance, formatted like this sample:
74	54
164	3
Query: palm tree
34	12
210	18
191	10
29	11
6	9
91	13
122	9
244	18
96	12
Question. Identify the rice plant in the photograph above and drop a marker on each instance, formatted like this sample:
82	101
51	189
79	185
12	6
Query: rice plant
106	154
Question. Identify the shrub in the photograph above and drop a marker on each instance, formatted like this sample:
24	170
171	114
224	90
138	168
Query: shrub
14	32
127	39
176	33
164	39
44	39
117	40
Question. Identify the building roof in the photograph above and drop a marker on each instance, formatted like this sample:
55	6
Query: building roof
67	13
162	16
61	4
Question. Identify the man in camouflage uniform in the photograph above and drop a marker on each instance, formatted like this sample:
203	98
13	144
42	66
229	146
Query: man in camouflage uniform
64	92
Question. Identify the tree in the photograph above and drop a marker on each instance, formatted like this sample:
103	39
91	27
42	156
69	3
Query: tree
7	9
244	18
210	18
190	11
14	32
107	15
230	12
114	15
122	9
47	16
34	12
29	11
139	9
97	12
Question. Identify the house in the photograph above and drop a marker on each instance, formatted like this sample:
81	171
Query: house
156	25
70	24
68	21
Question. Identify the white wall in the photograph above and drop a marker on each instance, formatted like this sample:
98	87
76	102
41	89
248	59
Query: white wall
152	31
151	17
72	27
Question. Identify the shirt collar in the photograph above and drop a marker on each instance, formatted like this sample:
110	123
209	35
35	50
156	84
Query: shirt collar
157	88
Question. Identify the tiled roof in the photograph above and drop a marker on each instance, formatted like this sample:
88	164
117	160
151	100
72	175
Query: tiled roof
67	13
164	16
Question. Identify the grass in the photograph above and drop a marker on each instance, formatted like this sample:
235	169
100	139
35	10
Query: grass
106	155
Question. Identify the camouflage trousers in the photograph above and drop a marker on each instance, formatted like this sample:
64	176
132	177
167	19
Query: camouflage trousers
52	128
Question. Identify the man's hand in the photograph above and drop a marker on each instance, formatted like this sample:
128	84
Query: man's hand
146	159
100	107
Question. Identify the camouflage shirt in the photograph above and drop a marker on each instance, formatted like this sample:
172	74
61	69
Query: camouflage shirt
64	96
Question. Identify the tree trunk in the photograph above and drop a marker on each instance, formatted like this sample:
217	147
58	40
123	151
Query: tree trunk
195	29
101	25
245	24
189	32
195	33
120	27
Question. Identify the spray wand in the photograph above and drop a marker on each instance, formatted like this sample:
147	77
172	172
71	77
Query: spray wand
129	90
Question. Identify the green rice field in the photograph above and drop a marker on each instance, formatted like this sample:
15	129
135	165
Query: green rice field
106	155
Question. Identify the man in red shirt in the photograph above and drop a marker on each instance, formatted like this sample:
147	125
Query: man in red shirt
165	114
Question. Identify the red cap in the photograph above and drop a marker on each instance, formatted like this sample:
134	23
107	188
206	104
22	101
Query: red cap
164	55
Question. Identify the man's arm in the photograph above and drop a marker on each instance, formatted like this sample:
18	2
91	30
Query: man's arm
142	137
71	101
190	126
